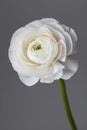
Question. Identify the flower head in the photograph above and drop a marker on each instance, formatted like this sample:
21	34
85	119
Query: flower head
43	50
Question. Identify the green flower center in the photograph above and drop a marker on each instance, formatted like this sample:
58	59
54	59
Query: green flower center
37	47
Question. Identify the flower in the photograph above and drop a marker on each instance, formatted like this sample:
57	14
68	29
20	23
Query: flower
43	50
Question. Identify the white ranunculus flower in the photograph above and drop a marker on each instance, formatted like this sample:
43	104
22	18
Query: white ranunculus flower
43	50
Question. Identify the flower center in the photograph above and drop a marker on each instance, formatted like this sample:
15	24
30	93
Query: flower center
40	50
37	47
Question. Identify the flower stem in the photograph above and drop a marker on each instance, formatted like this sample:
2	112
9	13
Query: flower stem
66	104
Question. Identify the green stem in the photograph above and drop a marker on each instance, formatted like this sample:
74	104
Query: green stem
66	104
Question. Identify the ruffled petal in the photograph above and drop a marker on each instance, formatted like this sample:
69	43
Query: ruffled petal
38	23
28	81
48	20
16	44
65	34
57	66
47	80
58	75
34	24
15	51
64	51
74	39
71	66
55	74
69	44
53	77
66	28
71	32
73	35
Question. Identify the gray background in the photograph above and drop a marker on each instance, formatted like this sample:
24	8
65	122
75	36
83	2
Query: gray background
40	107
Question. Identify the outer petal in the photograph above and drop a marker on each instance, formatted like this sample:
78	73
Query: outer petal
73	36
56	73
41	22
71	66
57	70
16	42
68	40
34	24
53	77
71	32
74	39
29	81
15	49
57	66
69	44
48	20
64	51
47	80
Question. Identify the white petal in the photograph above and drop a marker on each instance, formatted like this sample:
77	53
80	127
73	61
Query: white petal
19	35
57	66
66	28
16	41
58	35
28	81
15	49
71	66
74	39
69	44
34	24
71	32
66	35
73	36
38	23
52	77
56	73
47	80
48	20
64	51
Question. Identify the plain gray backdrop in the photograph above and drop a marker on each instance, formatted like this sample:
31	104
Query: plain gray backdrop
40	107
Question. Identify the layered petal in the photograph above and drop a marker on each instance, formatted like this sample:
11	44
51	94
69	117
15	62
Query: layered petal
71	66
73	35
66	36
41	22
51	78
28	81
55	74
